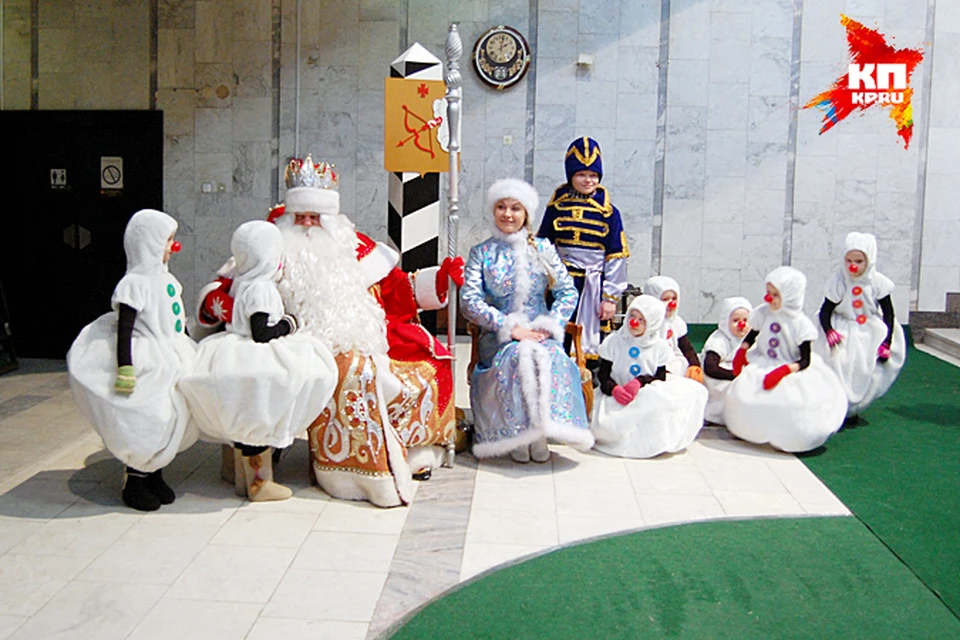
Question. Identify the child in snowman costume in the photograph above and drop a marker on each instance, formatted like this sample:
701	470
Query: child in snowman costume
257	385
642	413
685	361
719	351
124	366
783	394
860	338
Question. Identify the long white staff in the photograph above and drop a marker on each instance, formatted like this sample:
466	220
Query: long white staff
454	49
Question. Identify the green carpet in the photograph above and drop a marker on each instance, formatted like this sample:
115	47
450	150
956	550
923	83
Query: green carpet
893	571
776	578
898	471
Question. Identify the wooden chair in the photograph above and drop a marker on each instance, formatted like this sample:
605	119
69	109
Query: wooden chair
575	331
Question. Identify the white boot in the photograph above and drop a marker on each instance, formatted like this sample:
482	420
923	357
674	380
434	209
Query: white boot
258	471
521	454
539	451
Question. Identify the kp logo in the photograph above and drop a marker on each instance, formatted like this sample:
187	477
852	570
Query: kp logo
879	75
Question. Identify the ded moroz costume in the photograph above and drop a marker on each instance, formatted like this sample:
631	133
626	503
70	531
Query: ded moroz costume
859	336
391	412
124	366
588	234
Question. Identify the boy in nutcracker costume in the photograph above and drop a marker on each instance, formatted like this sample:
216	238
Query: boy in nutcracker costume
587	231
391	416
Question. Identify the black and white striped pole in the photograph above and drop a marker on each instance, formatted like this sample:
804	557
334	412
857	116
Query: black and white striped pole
454	50
413	213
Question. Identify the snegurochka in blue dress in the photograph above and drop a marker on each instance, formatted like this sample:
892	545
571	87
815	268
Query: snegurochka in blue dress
525	388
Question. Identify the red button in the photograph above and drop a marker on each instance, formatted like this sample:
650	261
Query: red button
857	291
857	304
861	319
669	333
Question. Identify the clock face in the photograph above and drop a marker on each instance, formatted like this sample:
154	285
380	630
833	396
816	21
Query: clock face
501	57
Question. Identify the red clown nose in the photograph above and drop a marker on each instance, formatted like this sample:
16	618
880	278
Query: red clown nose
672	305
741	324
634	323
175	247
853	268
768	298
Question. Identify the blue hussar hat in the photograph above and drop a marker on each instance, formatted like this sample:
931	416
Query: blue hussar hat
583	154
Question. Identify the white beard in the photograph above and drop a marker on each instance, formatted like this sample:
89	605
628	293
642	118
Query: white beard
321	286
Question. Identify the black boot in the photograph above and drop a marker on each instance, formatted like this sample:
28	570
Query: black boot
135	493
159	488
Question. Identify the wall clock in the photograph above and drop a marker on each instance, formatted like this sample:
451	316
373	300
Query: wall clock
501	57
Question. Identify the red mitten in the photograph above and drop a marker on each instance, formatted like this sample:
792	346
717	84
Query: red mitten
218	305
739	361
773	378
626	393
834	337
883	352
450	268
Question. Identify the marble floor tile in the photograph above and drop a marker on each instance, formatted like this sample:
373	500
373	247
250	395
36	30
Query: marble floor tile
13	530
150	553
593	470
504	469
361	517
189	620
577	527
829	508
660	509
675	479
267	628
346	551
753	504
30	581
233	574
305	500
76	537
515	496
91	611
265	529
481	556
9	624
741	475
512	527
42	498
326	595
596	500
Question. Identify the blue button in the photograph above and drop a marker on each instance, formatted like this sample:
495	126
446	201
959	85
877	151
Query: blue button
634	352
634	370
772	353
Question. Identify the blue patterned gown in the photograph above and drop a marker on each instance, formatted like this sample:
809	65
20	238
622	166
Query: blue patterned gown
521	391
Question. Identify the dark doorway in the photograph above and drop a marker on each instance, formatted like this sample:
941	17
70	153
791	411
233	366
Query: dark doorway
65	215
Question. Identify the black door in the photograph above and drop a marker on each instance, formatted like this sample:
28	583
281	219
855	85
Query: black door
65	215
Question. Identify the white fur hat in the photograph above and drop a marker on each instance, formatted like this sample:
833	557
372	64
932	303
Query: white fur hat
522	192
300	199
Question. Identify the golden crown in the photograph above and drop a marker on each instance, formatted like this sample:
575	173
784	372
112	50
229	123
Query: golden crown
307	173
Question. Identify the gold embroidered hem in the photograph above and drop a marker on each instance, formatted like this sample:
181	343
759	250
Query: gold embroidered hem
356	454
422	412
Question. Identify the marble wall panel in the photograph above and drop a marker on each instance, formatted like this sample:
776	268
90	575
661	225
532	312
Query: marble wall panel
175	58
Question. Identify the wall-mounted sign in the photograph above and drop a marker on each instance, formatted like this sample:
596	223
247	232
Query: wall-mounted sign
58	179
111	172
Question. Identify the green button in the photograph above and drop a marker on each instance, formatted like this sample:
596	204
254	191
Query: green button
176	308
179	326
171	291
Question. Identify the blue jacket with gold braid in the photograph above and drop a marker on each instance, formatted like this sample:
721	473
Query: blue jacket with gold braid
588	234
